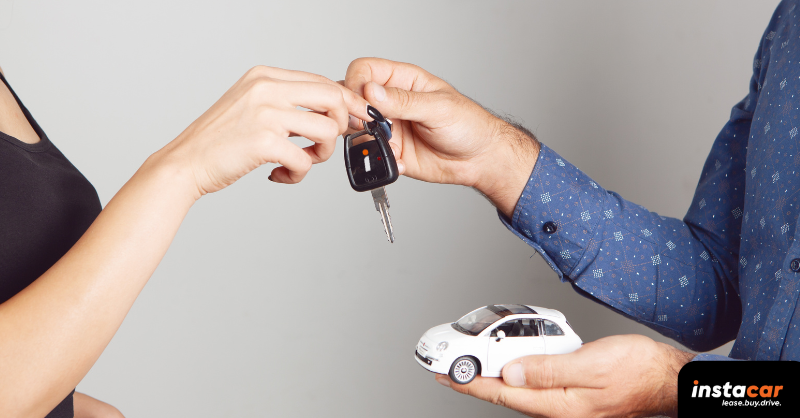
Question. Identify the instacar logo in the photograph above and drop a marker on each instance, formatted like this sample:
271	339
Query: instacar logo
739	391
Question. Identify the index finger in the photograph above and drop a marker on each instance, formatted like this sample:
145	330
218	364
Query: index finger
534	402
390	74
356	105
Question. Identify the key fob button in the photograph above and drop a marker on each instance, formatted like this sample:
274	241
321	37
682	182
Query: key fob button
365	163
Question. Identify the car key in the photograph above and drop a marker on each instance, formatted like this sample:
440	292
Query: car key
371	164
382	206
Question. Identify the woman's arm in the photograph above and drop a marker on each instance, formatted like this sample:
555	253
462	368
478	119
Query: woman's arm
52	332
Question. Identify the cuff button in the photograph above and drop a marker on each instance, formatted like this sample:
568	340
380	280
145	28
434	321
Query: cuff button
549	227
795	265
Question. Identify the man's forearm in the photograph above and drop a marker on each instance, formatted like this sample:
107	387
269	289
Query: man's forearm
517	152
674	360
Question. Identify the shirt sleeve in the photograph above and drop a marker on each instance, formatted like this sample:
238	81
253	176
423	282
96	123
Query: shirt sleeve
713	357
678	277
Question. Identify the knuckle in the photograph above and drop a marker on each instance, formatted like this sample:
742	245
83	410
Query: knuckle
498	398
306	164
337	93
356	71
543	374
332	129
334	94
403	99
454	101
358	63
319	78
257	71
260	85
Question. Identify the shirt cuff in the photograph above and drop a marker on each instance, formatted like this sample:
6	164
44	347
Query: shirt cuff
558	212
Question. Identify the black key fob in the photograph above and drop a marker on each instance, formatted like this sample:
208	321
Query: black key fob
368	158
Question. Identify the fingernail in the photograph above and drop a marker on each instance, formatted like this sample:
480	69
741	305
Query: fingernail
514	375
270	178
442	380
354	122
378	91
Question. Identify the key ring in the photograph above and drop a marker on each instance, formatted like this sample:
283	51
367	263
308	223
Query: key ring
379	127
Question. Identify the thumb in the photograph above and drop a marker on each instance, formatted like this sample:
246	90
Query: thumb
552	371
403	104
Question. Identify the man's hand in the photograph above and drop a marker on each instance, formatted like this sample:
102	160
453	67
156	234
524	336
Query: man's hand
442	136
619	376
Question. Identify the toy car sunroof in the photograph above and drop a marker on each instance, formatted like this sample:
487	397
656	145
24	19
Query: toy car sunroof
488	338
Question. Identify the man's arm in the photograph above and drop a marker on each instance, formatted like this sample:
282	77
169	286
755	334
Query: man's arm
679	278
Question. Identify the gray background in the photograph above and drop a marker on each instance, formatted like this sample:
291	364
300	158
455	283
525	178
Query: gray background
287	300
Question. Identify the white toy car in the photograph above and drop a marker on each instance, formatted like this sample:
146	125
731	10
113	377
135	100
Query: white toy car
486	339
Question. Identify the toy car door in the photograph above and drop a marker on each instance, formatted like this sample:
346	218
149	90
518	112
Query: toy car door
522	338
555	340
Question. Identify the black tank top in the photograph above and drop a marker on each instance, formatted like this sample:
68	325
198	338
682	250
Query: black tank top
45	206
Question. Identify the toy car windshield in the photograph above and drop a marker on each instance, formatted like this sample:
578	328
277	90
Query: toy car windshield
475	322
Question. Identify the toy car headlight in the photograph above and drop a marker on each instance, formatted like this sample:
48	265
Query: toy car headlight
441	346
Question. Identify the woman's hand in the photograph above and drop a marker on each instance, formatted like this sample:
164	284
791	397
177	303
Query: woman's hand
80	302
250	125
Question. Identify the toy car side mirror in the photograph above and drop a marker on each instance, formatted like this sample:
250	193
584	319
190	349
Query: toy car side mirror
500	335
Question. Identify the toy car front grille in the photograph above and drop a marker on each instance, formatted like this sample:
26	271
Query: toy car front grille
424	359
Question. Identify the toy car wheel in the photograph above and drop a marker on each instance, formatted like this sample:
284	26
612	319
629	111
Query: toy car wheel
463	370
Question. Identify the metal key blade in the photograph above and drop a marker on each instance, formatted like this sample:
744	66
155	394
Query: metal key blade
382	206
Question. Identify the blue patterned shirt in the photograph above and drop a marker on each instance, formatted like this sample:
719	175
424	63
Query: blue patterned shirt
731	268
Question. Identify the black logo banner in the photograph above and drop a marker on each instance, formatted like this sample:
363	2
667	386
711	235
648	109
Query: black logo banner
739	389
